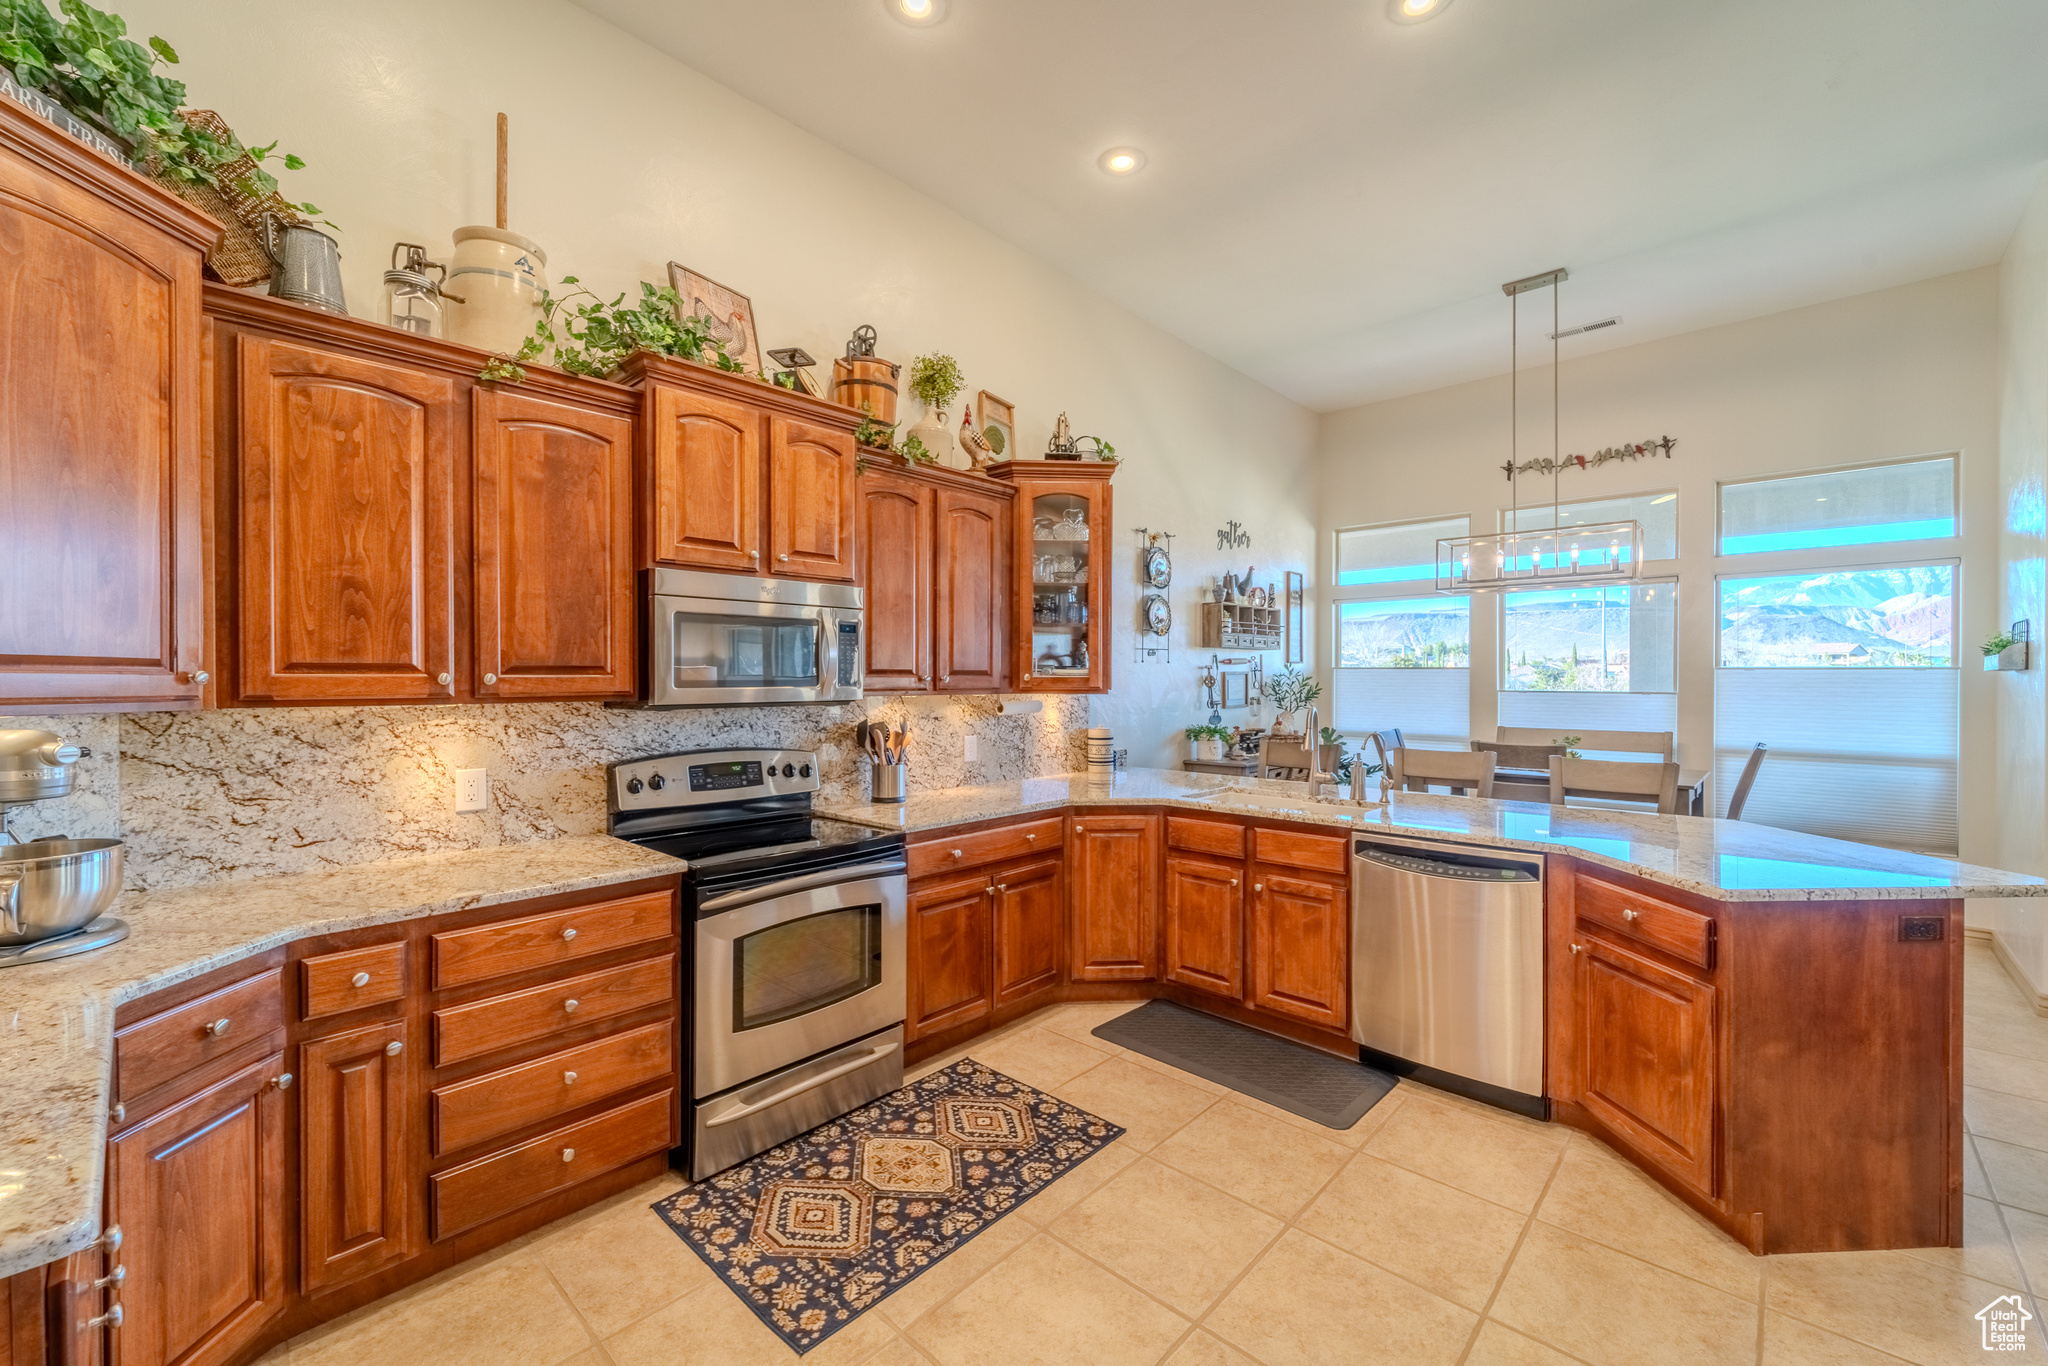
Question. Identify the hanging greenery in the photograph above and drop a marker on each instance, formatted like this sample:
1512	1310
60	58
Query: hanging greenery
591	337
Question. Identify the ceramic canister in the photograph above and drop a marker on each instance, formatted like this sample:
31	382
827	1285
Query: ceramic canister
1101	750
499	276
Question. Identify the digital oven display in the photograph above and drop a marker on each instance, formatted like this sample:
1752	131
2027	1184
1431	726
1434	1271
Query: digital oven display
719	777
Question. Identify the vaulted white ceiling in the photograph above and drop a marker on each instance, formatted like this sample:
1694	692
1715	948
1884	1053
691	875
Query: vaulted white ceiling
1332	200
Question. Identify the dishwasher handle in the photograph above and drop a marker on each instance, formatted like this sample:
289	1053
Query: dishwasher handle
1468	868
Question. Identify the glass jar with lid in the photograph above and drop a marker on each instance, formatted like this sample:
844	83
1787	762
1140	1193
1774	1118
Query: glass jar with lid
412	297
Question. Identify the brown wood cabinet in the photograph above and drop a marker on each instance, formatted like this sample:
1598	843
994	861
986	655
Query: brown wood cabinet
1300	946
1648	1062
936	566
101	529
1056	501
1030	929
355	1155
1205	924
1113	880
951	973
896	546
743	477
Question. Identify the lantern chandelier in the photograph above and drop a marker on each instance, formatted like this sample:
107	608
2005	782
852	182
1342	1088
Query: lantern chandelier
1515	559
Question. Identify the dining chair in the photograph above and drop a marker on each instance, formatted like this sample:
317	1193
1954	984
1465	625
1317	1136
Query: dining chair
1283	759
1748	780
1614	780
1610	741
1416	769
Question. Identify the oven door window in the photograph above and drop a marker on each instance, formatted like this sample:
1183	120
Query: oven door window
743	652
804	965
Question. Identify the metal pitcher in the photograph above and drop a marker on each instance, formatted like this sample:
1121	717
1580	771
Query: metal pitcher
306	264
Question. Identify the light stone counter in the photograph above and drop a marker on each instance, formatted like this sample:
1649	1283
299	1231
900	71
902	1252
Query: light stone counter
56	1019
1725	860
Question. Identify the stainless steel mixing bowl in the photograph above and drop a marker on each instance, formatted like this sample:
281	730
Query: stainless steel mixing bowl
52	887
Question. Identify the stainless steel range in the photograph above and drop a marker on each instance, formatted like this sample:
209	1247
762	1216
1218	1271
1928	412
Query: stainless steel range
795	972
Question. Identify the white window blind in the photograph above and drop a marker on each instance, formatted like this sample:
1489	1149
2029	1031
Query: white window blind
1393	554
1866	755
1658	512
1912	501
1432	708
1568	713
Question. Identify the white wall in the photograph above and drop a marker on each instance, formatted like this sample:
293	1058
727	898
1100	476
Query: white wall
2022	698
623	159
1898	372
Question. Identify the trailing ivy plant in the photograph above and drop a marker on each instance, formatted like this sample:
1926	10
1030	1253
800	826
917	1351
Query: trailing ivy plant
871	432
592	337
86	62
936	380
916	452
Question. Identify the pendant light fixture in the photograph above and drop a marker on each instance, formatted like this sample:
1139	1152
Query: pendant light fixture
1514	559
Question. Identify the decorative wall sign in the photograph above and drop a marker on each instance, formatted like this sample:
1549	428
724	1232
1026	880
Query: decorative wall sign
1554	464
1232	536
731	312
1292	603
997	419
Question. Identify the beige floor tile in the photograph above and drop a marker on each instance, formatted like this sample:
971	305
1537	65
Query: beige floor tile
1204	1349
1986	1252
1047	1305
2001	1034
1603	1197
1887	1300
1484	1157
508	1313
2003	1072
1354	1137
2019	1176
1974	1181
899	1352
589	1356
1306	1303
1063	1194
1038	1057
2009	1119
955	1272
1149	1106
622	1265
1167	1233
2030	1239
1258	1159
1444	1240
280	1355
1588	1300
1788	1342
1499	1345
716	1327
1077	1020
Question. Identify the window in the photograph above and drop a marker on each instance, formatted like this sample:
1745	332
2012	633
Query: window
1900	618
1402	554
1405	633
1658	512
1612	639
1910	501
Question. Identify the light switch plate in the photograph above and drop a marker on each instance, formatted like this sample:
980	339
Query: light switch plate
973	748
472	789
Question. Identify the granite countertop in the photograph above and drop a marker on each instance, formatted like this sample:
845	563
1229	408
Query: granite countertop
1725	860
57	1018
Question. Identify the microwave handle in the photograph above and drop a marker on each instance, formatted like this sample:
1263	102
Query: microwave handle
747	896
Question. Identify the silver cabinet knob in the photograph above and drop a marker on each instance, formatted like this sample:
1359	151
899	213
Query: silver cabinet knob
198	676
568	1154
1233	882
783	556
118	1113
568	1079
444	679
1258	886
1031	839
1631	915
110	1240
111	1319
570	1005
220	1027
957	853
753	554
282	1081
114	1277
1578	948
394	1048
361	979
568	933
490	680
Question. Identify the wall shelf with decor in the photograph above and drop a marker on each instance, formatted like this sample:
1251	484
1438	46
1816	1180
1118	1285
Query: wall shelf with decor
1241	626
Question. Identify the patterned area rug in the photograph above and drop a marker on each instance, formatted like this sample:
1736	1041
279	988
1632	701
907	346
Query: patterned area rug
818	1231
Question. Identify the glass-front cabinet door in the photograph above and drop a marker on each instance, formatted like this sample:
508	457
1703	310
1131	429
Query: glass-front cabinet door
1065	542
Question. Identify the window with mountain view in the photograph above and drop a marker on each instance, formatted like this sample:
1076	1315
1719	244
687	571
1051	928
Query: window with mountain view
1900	618
1912	500
1612	639
1398	660
1405	633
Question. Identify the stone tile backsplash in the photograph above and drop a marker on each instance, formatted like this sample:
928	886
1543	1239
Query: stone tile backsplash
249	792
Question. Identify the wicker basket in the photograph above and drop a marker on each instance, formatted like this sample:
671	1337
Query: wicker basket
238	258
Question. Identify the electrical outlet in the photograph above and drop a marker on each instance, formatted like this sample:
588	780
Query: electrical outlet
973	748
472	789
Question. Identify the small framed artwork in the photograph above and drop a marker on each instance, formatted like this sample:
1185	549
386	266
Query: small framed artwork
1237	692
731	313
997	419
1292	605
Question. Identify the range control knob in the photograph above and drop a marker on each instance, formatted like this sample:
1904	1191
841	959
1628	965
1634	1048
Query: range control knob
634	785
657	782
789	770
805	771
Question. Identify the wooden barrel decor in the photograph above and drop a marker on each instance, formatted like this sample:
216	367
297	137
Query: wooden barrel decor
866	379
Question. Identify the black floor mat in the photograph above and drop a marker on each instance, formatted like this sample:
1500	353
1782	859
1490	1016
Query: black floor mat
1296	1078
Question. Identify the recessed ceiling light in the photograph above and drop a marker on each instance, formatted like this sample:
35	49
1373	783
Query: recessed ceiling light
917	13
1122	161
1415	11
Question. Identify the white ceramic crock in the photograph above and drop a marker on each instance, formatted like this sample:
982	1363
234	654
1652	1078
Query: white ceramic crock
499	276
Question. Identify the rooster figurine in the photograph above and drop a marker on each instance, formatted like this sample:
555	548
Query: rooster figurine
979	452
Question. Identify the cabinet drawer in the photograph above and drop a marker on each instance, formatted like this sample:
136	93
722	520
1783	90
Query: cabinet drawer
354	978
539	941
1319	853
1205	837
950	853
469	1031
1683	934
479	1191
162	1047
498	1103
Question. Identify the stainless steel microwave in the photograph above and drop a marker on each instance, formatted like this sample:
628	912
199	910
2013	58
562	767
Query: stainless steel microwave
719	640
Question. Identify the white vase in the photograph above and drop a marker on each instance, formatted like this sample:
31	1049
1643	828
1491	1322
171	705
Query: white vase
499	276
1212	750
1194	749
938	439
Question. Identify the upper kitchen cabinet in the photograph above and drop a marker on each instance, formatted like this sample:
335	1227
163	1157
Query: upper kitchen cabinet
743	477
389	530
1061	583
102	519
935	551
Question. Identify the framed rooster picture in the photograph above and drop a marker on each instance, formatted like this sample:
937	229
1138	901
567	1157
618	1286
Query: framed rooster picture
731	313
997	420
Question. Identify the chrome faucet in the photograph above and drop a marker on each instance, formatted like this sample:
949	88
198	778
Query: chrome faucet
1358	771
1319	782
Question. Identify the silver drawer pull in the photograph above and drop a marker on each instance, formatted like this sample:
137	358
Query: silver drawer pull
1002	886
1031	839
490	680
570	1005
1631	915
568	1079
1578	948
568	1154
111	1319
118	1113
1233	882
958	853
394	1048
110	1240
219	1027
444	679
361	979
568	933
114	1277
282	1081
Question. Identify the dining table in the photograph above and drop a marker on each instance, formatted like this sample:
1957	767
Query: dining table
1533	785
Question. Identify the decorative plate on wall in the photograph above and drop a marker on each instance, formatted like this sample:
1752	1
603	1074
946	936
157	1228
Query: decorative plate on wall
1158	615
1157	568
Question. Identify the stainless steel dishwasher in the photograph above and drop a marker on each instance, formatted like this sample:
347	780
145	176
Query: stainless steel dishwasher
1447	966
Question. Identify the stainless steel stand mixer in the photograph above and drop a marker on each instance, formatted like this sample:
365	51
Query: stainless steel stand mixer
54	893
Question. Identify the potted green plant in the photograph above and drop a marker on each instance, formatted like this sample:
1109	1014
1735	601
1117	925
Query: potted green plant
2005	651
935	381
1292	690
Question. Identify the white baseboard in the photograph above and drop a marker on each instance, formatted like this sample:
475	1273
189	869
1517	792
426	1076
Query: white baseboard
2012	969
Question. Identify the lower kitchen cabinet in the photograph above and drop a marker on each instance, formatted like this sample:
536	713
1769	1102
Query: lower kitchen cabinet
950	969
1205	924
1030	929
355	1150
1647	1059
199	1193
1300	947
1113	876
